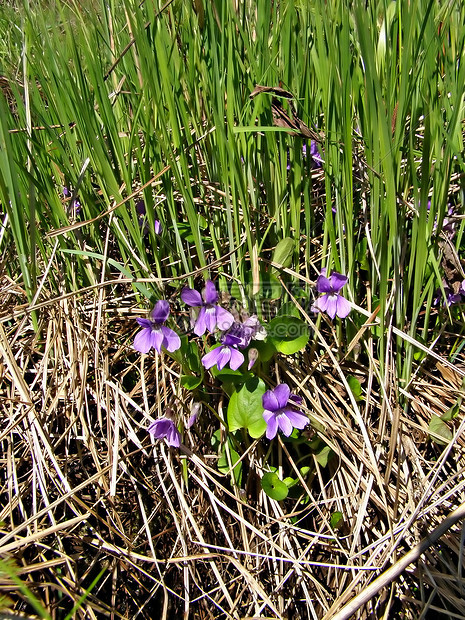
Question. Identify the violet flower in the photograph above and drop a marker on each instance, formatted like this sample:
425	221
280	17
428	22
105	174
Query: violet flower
449	296
317	161
211	315
226	353
330	300
250	329
142	214
164	428
195	412
280	412
154	333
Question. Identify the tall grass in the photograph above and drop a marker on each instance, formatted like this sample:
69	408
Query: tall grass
172	124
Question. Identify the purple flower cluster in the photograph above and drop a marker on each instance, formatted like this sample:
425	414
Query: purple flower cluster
314	154
210	316
237	336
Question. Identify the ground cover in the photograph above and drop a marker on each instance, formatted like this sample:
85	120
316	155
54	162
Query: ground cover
232	309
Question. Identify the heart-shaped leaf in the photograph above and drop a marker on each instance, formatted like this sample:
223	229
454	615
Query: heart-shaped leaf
245	409
441	430
190	382
274	487
288	334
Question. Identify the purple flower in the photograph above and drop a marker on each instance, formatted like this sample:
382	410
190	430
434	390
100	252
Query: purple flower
195	412
315	155
250	329
449	223
142	214
154	333
330	300
449	296
164	428
280	412
211	315
226	353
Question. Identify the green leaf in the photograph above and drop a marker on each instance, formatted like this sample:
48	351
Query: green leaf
274	487
190	382
245	409
228	374
289	309
288	334
282	254
440	428
361	254
451	413
336	520
265	349
355	387
324	456
193	358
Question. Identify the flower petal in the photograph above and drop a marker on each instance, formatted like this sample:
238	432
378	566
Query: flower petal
209	294
270	401
173	436
145	323
171	341
293	398
160	312
195	412
191	297
210	318
223	357
159	428
323	285
237	359
343	307
211	358
331	305
224	319
143	340
321	303
157	338
284	424
337	281
200	324
297	419
231	339
271	424
282	393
